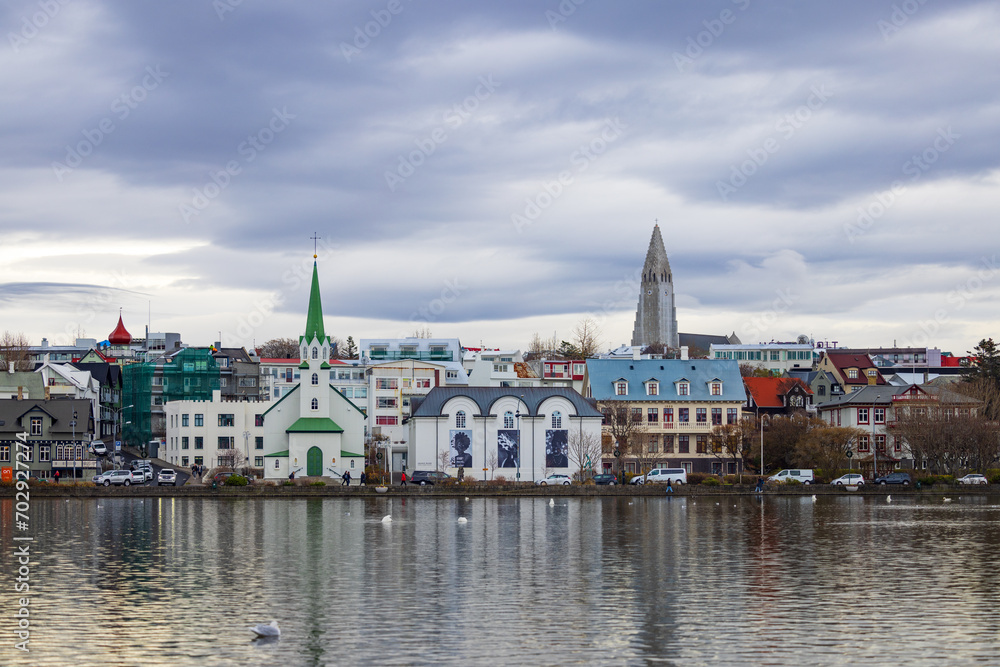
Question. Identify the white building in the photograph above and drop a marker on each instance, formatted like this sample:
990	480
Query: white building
499	368
216	432
774	357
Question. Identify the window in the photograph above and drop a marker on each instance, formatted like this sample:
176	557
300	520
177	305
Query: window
652	415
423	383
460	419
59	453
225	442
652	388
637	415
668	443
684	444
716	389
716	416
501	368
701	415
315	353
184	420
880	443
386	402
451	375
683	415
731	415
199	420
862	415
897	445
199	442
386	420
361	392
701	444
185	442
872	372
852	373
683	389
199	460
184	461
668	417
879	415
621	388
385	383
258	462
315	378
314	404
863	444
651	444
226	420
556	419
821	390
36	426
43	452
508	419
248	382
5	453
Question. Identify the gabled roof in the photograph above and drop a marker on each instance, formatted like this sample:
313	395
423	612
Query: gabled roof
869	395
767	392
862	362
602	374
314	425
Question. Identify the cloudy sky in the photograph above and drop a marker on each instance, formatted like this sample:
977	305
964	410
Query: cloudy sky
489	171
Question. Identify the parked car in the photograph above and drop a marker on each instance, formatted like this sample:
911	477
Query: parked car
99	448
116	477
166	476
220	477
973	478
801	475
893	478
605	478
555	479
664	475
425	477
850	479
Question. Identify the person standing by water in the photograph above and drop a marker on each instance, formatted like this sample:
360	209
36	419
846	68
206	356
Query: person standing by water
362	482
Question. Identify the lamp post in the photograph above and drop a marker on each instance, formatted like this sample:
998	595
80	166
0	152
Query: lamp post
246	442
517	416
73	424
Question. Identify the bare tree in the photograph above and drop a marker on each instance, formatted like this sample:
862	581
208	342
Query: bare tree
584	450
587	337
726	443
492	461
423	332
14	351
279	348
444	458
825	447
624	425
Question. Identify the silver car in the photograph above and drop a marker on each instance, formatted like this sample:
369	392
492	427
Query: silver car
850	479
166	476
116	477
973	478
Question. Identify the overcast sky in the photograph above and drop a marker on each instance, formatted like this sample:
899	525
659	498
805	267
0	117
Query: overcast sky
491	170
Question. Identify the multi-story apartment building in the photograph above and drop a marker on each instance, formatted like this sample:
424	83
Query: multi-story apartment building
224	430
559	372
676	404
777	358
499	368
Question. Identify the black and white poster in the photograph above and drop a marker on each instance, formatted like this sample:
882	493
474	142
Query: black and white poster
508	448
556	448
461	449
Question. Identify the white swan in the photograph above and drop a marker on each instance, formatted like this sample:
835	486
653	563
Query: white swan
888	499
269	630
552	502
462	519
387	518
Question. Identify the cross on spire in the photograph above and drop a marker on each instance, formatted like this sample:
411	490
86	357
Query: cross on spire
315	239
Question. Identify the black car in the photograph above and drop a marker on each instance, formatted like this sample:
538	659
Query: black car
425	477
605	478
894	478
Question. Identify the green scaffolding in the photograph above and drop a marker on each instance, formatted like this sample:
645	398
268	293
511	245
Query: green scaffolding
190	375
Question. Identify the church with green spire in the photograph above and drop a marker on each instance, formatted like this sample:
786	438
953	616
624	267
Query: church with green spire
314	431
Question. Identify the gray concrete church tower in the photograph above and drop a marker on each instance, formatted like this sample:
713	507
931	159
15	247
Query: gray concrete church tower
656	316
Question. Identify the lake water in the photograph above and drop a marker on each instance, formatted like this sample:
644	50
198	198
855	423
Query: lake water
845	579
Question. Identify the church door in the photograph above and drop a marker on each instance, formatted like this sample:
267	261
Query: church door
314	462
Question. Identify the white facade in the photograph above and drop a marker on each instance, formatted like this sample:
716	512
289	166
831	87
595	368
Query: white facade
774	357
499	368
200	432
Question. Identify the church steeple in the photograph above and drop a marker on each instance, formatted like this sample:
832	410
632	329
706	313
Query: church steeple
314	316
656	315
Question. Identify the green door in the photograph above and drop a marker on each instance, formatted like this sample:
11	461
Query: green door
314	462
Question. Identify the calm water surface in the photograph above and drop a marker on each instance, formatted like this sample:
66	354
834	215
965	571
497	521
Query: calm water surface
783	581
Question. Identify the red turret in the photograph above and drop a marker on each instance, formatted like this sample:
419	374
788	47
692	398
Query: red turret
120	336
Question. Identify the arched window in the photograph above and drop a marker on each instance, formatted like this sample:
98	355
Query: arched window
508	419
315	353
460	419
315	404
79	451
556	419
305	353
315	378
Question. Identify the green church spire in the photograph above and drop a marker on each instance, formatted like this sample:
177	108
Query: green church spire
314	317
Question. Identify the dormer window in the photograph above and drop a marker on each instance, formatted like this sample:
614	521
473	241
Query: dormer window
683	389
871	372
852	373
716	388
621	388
652	388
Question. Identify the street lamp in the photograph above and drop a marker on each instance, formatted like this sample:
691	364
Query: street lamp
73	424
517	415
246	441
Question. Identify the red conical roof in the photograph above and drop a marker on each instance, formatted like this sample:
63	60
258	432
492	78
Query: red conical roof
120	336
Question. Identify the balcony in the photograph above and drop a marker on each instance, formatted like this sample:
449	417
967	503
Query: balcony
396	355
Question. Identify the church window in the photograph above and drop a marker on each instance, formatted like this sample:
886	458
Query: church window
315	404
556	419
460	419
508	419
315	378
315	353
352	463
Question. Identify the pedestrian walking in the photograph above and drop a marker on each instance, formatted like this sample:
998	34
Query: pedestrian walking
56	475
760	485
362	483
670	488
345	479
402	479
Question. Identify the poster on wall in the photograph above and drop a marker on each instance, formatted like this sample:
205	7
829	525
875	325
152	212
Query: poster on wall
508	449
460	454
557	448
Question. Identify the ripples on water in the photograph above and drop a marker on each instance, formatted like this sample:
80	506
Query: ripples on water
787	581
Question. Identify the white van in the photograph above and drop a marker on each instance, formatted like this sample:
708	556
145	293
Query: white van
804	476
664	475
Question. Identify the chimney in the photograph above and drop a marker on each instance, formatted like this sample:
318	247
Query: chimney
20	393
684	352
48	392
636	353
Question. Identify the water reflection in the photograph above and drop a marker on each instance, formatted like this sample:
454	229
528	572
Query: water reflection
778	580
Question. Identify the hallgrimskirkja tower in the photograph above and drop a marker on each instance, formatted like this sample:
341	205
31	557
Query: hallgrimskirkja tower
656	316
